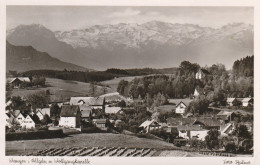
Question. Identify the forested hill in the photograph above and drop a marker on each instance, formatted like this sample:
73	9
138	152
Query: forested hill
244	67
97	76
216	86
24	58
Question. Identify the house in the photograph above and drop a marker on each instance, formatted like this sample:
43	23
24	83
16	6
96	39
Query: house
208	123
116	97
16	82
40	115
8	103
112	110
181	104
180	121
7	120
31	121
226	115
93	102
20	117
201	74
119	123
42	112
162	109
180	108
232	102
86	112
192	131
79	100
229	128
247	102
58	103
196	93
149	125
70	116
101	123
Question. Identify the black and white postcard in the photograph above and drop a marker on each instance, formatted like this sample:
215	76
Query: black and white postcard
169	83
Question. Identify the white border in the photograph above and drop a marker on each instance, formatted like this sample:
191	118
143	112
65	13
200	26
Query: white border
152	160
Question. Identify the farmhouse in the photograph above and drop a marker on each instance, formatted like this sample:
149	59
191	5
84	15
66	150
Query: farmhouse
30	121
149	125
226	115
79	100
112	110
208	123
193	131
228	129
201	74
101	123
116	97
247	102
93	102
19	117
7	120
16	82
232	101
41	112
70	116
180	108
86	112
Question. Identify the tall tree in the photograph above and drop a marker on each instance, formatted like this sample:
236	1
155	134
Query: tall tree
212	139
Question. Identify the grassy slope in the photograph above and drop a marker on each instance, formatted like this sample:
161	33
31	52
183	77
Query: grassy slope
113	83
61	89
86	140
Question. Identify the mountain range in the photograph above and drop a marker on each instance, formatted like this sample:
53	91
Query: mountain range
24	58
152	44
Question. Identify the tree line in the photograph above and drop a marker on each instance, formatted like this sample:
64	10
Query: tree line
214	88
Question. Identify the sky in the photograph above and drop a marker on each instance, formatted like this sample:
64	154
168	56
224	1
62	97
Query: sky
77	17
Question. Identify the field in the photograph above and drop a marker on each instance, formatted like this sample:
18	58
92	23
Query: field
61	89
81	141
113	83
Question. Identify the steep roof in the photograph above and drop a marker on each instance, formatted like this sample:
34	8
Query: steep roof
189	128
15	113
45	111
25	79
115	96
100	121
247	99
87	100
225	113
230	100
69	110
86	113
148	122
112	110
35	118
77	100
84	107
180	121
209	121
8	103
177	101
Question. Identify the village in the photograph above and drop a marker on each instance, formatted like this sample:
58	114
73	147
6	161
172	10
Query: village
115	113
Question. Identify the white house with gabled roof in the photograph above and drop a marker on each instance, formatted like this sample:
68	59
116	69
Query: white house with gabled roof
20	118
30	121
247	101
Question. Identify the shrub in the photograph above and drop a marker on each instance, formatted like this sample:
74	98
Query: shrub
34	135
230	147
